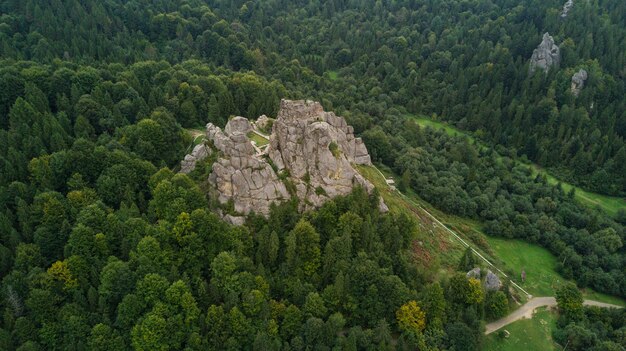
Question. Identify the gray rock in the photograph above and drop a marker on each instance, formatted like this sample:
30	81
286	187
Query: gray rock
566	8
318	148
578	81
474	273
200	152
492	282
235	220
238	125
263	123
545	56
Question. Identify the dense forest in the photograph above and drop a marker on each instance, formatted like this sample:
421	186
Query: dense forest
104	247
464	61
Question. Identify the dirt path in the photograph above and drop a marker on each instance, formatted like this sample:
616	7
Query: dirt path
526	311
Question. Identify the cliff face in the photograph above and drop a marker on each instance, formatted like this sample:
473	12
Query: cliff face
310	152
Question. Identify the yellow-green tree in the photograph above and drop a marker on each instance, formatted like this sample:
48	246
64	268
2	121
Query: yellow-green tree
61	271
411	318
475	293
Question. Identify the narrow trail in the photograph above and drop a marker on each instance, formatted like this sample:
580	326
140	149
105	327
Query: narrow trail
456	236
526	311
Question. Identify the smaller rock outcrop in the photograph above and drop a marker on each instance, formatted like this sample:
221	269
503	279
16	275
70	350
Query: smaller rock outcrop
578	81
264	123
200	152
546	55
474	273
566	8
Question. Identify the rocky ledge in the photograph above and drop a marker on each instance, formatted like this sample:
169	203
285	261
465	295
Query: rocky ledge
310	155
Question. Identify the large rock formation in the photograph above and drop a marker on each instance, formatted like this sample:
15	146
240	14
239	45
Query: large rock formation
310	149
578	81
546	55
567	7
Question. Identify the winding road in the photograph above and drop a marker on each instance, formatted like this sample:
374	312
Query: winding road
526	311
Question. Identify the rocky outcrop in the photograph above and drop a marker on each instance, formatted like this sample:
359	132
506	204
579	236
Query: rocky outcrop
578	81
566	8
200	152
312	150
545	56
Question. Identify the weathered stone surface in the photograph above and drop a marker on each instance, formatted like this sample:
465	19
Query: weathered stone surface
235	220
492	282
316	148
546	55
238	125
200	152
240	175
578	81
566	8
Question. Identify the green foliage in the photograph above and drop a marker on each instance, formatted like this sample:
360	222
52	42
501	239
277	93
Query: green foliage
570	301
101	250
334	149
468	261
496	305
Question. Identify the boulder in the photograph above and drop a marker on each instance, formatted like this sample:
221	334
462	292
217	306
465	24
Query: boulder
238	125
546	55
492	282
578	81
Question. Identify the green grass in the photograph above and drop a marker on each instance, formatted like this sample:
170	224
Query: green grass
539	264
259	140
526	334
609	204
440	249
542	278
